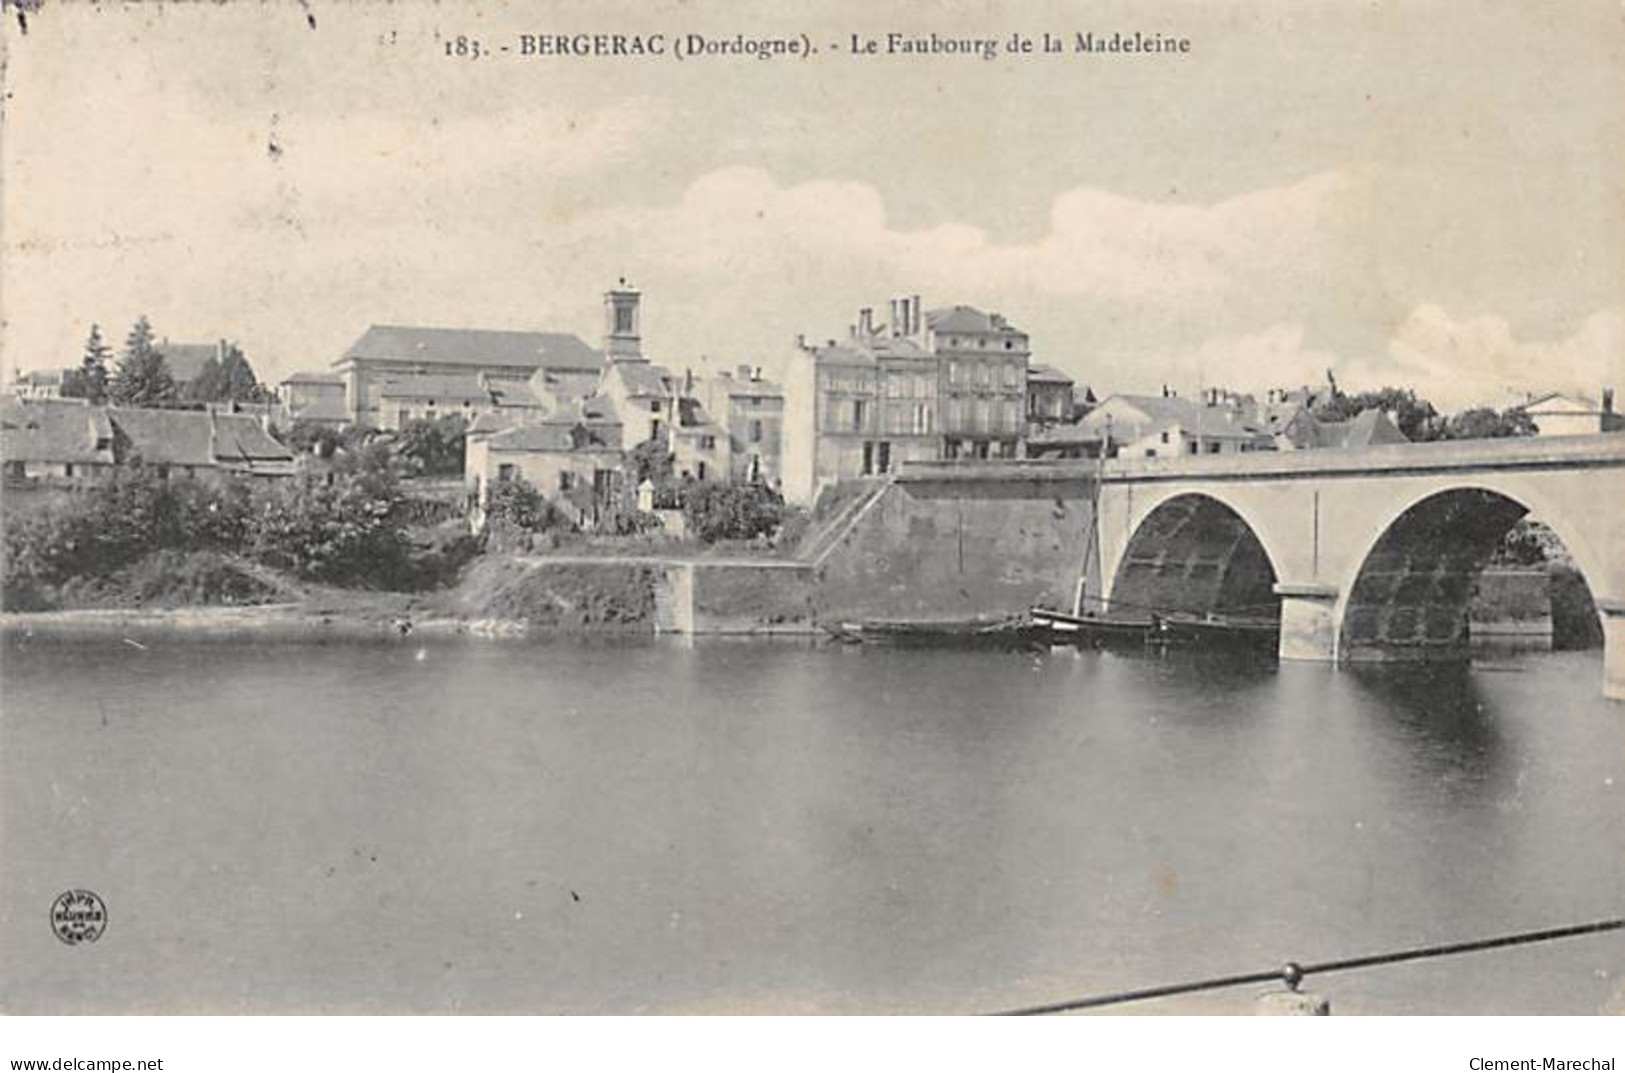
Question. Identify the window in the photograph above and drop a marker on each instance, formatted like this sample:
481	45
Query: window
654	406
708	443
1010	374
162	470
858	416
885	456
1213	447
505	472
403	416
699	469
1165	437
623	320
755	432
654	428
953	372
979	419
951	449
1150	452
1194	446
868	458
567	480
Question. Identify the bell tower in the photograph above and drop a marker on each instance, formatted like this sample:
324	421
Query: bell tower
622	334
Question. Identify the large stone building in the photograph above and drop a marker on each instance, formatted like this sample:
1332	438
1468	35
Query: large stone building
945	383
381	370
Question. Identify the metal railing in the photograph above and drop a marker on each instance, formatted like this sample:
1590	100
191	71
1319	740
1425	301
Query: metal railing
1292	972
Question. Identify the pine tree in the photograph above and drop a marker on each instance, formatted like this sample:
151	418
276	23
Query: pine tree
93	369
142	377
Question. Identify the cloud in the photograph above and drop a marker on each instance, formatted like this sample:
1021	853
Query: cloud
1454	363
1100	245
1479	360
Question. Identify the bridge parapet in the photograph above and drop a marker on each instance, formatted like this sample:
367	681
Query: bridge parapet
1527	452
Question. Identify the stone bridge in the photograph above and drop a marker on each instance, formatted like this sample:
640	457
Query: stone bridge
1369	553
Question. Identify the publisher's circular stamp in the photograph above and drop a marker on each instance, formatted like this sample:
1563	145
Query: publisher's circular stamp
78	916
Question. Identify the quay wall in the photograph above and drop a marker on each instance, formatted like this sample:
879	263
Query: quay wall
956	542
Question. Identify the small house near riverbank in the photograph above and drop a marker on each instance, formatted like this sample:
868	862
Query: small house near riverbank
66	444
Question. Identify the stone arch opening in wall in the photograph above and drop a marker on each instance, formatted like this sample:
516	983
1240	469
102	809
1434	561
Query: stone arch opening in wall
1193	554
1414	589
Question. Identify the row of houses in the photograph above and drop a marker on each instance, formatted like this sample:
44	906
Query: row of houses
64	443
948	383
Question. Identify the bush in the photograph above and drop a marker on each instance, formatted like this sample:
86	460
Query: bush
716	512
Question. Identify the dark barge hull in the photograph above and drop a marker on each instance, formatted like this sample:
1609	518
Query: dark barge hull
1075	629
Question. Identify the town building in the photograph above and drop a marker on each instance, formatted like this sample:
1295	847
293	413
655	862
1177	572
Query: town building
750	410
1563	413
572	458
54	443
1301	430
69	444
1168	426
1051	396
945	383
378	368
316	398
38	383
185	361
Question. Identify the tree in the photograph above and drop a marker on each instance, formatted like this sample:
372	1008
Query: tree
89	381
433	445
228	379
1484	423
650	461
1416	417
731	511
142	377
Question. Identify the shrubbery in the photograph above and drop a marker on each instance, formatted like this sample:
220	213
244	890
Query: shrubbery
349	531
715	512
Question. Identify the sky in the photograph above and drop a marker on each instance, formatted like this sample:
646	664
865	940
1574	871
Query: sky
1424	194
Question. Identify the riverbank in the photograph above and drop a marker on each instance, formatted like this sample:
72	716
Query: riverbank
497	596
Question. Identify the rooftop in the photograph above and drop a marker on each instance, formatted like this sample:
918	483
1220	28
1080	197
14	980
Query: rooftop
472	347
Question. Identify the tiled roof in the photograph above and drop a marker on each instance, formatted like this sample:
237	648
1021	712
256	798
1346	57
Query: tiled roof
1162	412
642	378
473	347
966	319
196	438
556	435
241	438
519	396
1046	374
32	433
451	387
185	361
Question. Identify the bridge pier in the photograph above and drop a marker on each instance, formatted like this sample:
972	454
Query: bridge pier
1613	648
1308	621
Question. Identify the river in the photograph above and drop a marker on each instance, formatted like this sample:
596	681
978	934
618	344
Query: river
588	825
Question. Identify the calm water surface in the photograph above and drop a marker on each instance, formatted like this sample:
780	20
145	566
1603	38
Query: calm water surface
591	826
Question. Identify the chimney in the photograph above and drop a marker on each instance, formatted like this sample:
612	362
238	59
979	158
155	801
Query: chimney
744	372
1607	400
801	340
220	351
866	321
914	315
896	318
756	373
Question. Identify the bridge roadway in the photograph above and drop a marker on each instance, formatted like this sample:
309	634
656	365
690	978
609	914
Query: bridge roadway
1371	553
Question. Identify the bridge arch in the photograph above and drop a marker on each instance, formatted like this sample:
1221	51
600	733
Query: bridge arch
1197	553
1407	590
